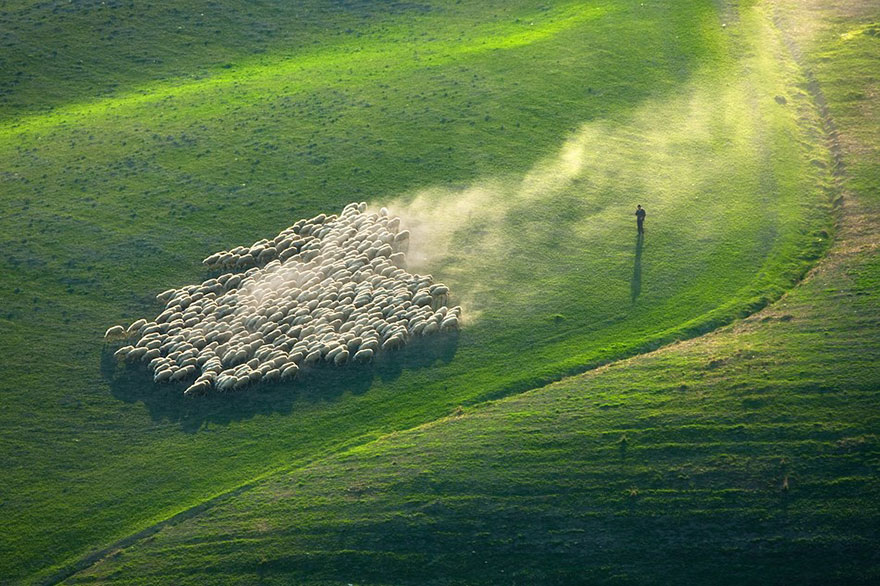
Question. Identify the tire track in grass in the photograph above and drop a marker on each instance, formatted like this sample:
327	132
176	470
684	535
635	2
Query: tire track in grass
818	96
96	556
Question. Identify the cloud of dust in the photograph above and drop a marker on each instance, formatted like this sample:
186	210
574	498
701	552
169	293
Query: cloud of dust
439	219
665	155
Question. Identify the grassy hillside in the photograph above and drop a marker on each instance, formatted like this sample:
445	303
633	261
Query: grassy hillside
524	134
754	450
749	455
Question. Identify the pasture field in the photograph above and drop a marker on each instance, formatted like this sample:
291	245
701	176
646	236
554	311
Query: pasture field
752	449
517	137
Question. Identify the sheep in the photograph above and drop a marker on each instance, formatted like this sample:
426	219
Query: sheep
332	351
354	344
150	329
135	327
156	363
166	295
289	371
333	288
226	383
162	376
122	353
398	259
179	374
422	298
197	388
136	354
150	354
188	361
364	355
312	357
450	323
114	333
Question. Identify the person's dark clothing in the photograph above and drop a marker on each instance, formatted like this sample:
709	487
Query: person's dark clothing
640	220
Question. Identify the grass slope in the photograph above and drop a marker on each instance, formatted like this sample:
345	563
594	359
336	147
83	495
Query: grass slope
114	189
749	455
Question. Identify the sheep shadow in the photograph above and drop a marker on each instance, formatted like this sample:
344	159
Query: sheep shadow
320	383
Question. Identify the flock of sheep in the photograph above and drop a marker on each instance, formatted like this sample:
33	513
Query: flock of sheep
332	289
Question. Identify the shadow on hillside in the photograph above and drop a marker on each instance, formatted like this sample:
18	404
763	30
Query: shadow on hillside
166	402
636	283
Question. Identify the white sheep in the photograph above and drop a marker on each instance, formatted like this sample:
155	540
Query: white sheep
114	333
162	376
363	355
332	288
197	388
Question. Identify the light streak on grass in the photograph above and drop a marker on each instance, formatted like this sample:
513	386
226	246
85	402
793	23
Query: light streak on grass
247	81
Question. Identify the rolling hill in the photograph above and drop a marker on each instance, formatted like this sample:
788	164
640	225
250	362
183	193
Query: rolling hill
518	137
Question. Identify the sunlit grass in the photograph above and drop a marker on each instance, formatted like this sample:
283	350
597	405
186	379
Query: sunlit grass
308	70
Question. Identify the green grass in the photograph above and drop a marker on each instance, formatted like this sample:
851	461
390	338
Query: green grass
118	180
751	450
747	456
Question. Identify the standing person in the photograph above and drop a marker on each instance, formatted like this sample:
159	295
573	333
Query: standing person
640	219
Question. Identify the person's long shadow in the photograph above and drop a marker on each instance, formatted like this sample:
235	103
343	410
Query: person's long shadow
636	283
166	402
